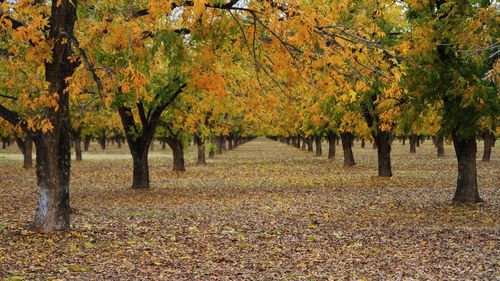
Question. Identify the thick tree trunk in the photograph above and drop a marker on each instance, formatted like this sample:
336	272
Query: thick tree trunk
200	144
347	140
178	154
332	138
53	149
383	140
440	146
413	143
489	142
26	147
53	176
467	189
140	166
319	150
230	143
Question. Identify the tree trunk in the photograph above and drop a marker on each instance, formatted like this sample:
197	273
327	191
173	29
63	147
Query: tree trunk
304	143
230	143
102	142
489	142
309	144
220	141
178	154
331	144
317	140
26	147
440	146
200	144
86	143
77	140
363	143
347	139
152	146
467	189
383	140
413	143
53	150
163	144
5	142
140	165
224	142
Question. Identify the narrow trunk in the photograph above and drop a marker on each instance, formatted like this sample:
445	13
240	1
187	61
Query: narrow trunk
5	142
317	140
303	144
102	142
224	143
86	143
440	146
163	144
383	140
178	154
220	141
403	140
309	144
489	142
467	189
230	143
332	138
363	143
200	144
413	143
26	147
77	140
347	139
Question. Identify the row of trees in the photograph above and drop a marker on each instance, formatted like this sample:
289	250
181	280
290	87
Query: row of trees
204	69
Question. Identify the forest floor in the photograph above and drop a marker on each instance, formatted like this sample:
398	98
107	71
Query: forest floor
264	211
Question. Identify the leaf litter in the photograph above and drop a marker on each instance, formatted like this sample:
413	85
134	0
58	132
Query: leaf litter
264	211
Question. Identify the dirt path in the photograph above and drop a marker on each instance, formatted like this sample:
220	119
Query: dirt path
265	211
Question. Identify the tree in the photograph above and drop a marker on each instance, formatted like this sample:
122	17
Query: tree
41	36
454	40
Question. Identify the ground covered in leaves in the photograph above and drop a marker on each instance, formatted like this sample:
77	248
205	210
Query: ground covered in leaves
265	211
